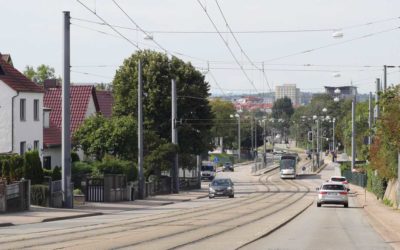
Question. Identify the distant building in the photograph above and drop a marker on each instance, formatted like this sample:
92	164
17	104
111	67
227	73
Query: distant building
346	92
290	91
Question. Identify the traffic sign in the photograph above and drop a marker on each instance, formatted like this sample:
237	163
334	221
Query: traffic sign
216	160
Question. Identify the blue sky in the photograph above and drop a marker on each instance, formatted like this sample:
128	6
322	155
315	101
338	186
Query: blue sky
32	34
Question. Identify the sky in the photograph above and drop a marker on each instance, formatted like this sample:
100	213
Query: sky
308	56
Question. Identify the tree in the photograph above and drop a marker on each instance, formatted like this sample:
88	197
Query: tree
41	73
282	108
192	90
117	136
224	125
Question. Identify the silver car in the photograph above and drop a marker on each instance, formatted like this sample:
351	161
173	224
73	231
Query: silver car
333	193
221	187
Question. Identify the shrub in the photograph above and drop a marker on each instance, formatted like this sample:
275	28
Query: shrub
375	184
80	170
56	175
5	170
40	195
110	165
74	157
77	191
33	167
12	167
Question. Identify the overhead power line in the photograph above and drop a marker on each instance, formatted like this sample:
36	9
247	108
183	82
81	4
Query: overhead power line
111	27
227	46
332	44
240	46
216	82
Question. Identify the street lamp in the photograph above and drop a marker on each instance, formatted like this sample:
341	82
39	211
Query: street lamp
237	115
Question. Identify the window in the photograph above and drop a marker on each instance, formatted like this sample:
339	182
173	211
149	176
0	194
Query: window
22	148
36	110
35	145
47	162
22	109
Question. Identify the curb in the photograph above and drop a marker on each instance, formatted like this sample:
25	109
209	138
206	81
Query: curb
278	226
321	168
71	217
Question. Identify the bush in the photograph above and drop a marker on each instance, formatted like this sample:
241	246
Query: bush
56	175
77	191
74	157
5	170
33	167
376	184
110	165
40	195
80	170
13	165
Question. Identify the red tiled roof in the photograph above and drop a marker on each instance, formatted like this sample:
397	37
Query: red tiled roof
106	101
80	97
15	79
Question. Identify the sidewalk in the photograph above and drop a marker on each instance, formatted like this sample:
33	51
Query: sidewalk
385	220
44	214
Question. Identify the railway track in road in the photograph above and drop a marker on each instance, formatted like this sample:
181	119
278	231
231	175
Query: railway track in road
155	229
137	223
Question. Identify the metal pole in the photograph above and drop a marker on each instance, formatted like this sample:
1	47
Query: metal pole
198	163
318	142
140	131
353	133
174	135
333	136
265	146
66	118
370	117
384	78
251	135
378	89
239	140
255	138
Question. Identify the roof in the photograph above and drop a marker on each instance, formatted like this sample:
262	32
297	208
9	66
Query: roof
15	79
80	97
106	101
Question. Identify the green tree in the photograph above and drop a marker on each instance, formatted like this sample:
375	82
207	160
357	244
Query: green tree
224	125
192	91
41	73
33	167
117	136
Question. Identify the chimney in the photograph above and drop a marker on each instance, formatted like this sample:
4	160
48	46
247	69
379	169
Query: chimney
51	83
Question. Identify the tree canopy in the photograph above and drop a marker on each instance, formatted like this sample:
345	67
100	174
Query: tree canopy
41	73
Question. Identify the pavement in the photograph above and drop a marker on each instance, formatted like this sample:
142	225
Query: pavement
38	214
384	219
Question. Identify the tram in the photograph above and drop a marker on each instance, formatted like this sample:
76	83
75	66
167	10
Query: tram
288	164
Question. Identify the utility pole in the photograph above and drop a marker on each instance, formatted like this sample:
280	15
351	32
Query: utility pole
370	118
378	89
140	131
384	77
333	136
198	163
174	136
255	138
318	143
251	135
353	132
66	118
239	140
265	145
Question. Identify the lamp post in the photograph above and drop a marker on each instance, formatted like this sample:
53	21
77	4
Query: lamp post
237	115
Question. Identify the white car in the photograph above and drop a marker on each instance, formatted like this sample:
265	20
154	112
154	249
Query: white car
340	179
332	193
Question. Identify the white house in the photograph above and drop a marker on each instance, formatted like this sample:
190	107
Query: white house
21	112
85	102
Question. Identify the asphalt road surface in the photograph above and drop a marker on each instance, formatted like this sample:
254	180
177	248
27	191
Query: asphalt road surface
261	204
327	227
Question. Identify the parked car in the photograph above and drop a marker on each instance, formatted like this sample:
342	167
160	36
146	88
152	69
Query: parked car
332	193
227	167
221	187
340	179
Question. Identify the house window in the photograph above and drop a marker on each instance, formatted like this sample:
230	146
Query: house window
47	162
22	109
36	110
35	145
22	148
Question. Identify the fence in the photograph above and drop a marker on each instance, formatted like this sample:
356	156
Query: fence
94	189
15	197
107	189
355	178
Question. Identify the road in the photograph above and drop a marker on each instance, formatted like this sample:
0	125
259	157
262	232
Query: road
261	204
328	227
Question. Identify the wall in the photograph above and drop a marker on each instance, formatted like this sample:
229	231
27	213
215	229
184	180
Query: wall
6	94
28	130
55	154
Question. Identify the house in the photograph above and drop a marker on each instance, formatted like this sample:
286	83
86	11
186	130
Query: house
85	102
21	112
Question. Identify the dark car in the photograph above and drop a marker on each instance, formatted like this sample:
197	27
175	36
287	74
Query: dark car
227	167
221	187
